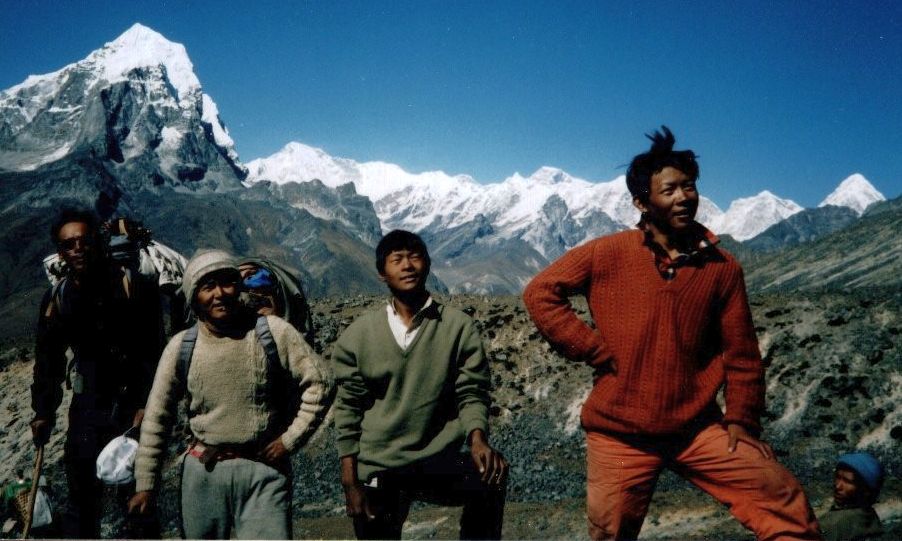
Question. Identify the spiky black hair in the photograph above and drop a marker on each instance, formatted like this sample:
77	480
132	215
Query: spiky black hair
659	156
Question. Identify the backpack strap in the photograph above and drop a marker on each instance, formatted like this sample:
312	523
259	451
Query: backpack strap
55	306
278	380
127	282
186	350
264	336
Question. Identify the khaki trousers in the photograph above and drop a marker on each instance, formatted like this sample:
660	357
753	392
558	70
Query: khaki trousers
622	472
240	495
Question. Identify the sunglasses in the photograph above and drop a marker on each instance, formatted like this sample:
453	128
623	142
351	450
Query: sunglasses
70	244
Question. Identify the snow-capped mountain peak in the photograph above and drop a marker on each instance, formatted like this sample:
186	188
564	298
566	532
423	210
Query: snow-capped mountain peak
139	47
550	176
855	192
137	96
749	216
297	162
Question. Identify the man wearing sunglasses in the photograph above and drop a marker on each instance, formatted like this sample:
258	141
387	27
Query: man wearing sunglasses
109	319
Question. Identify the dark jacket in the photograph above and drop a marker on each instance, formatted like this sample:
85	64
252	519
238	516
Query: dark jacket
851	524
114	331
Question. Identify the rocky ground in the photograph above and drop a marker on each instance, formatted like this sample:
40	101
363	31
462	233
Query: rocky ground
833	385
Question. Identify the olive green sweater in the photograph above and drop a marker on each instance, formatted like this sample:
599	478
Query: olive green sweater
851	524
395	406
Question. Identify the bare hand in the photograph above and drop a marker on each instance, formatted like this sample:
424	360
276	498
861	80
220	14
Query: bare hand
142	503
274	452
356	503
139	417
739	433
40	431
491	464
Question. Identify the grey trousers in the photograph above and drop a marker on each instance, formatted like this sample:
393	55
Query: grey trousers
247	497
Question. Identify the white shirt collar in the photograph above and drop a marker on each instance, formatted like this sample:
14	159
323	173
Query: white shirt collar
404	335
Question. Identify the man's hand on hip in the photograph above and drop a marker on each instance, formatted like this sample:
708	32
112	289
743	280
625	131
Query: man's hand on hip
739	433
274	452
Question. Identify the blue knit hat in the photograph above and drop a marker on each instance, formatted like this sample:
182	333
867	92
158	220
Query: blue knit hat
866	466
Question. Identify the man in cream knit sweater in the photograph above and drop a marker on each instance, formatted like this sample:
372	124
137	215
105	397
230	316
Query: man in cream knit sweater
247	410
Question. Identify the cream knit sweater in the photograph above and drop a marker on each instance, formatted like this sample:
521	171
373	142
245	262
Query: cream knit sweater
227	386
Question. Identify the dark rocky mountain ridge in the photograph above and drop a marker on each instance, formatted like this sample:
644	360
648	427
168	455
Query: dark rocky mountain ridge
806	226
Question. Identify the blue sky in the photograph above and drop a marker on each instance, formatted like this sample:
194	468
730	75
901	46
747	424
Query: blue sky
790	96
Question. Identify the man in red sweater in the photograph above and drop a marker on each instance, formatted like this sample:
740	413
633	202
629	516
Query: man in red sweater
672	326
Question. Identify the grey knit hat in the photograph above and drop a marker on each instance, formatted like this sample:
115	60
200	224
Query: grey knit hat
203	263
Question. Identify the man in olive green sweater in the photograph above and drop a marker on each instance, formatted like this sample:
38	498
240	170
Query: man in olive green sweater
413	387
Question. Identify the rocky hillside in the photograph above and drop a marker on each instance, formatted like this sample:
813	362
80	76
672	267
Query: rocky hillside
866	253
833	385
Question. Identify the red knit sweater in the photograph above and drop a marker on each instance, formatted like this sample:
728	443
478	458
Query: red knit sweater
674	343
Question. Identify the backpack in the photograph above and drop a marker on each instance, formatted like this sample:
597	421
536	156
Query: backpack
129	246
278	381
291	303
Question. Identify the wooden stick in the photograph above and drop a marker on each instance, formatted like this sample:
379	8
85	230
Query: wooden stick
32	494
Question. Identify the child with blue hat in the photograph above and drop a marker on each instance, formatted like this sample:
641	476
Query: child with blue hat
857	480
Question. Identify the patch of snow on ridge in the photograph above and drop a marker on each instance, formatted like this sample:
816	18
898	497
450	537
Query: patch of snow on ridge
172	137
57	154
220	134
855	192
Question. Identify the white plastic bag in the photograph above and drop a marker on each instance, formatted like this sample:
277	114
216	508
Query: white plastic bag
116	463
43	510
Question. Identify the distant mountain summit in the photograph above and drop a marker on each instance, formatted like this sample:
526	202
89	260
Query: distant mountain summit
134	103
749	216
865	253
855	193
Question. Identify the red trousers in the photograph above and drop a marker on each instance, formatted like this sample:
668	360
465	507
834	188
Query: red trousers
759	492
